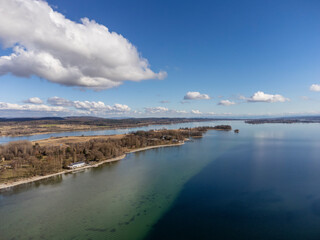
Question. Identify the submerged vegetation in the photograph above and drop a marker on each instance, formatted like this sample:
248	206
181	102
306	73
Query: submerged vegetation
25	159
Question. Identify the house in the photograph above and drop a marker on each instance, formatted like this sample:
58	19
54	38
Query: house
76	165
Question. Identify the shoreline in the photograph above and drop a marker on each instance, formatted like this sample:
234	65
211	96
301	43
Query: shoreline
9	185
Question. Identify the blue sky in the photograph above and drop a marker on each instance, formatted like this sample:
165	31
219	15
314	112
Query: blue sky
237	58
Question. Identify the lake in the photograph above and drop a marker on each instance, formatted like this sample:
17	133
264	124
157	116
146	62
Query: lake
262	183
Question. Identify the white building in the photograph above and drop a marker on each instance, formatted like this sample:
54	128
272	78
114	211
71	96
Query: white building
76	165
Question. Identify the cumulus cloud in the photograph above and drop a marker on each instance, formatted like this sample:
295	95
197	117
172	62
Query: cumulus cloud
57	101
195	96
196	112
210	113
156	110
315	87
226	103
263	97
31	107
47	44
89	106
34	100
97	107
61	106
120	108
163	111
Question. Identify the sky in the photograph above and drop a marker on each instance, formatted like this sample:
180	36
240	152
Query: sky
147	58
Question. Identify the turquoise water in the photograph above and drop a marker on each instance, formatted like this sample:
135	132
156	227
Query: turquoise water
266	179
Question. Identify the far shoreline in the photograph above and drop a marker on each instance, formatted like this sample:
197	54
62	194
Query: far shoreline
7	186
103	128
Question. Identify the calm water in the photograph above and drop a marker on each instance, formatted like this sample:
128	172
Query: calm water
263	183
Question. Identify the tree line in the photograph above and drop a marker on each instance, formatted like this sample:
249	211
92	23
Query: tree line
27	159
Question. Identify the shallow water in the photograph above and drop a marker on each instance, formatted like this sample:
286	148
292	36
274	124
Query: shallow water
6	139
262	183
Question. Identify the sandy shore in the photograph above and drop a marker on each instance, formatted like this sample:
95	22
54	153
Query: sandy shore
37	178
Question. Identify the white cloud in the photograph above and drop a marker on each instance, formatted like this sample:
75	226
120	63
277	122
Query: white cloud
120	108
163	111
57	101
91	107
156	110
48	45
63	106
226	103
180	111
315	87
31	107
196	112
263	97
34	100
195	96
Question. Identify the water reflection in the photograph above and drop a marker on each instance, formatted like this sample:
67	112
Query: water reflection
224	186
115	201
265	188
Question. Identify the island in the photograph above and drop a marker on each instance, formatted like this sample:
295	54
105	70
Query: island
25	161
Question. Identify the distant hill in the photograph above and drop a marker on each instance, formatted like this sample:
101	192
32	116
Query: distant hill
29	119
295	119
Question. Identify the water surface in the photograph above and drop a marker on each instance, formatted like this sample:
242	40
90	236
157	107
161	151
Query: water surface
6	139
267	187
262	183
122	200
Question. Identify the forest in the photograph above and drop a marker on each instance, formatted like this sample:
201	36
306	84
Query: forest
24	159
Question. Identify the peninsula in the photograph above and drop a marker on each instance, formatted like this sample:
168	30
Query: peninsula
25	161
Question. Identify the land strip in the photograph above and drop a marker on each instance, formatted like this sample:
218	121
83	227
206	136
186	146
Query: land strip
30	126
285	120
24	161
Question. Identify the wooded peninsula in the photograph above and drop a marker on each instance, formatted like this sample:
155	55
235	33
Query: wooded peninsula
26	160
